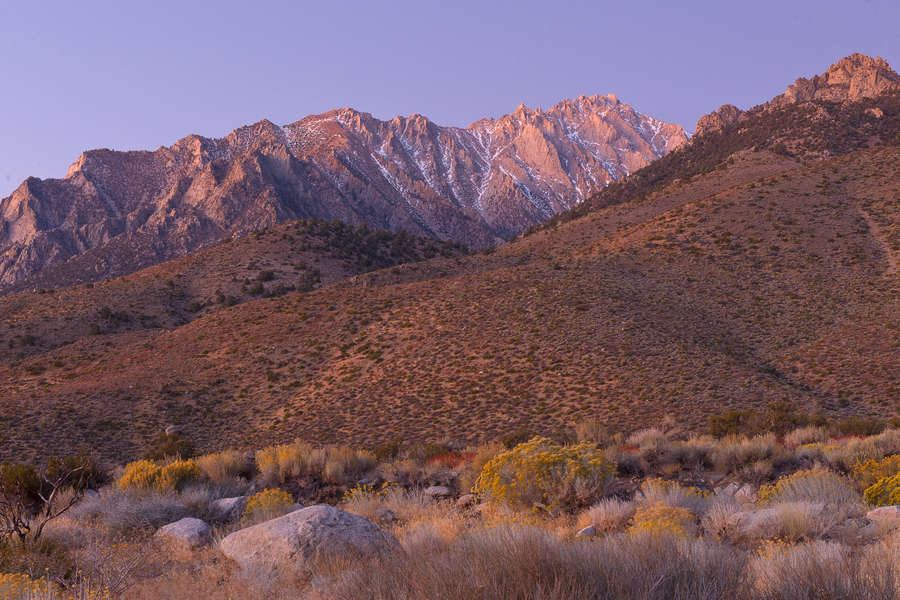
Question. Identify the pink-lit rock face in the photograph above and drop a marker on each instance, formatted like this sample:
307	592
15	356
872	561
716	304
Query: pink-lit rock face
852	78
477	185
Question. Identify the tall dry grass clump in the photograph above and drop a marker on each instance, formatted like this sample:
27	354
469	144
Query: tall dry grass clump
608	515
527	563
224	467
333	464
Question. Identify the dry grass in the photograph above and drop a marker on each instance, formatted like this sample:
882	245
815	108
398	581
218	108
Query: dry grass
608	515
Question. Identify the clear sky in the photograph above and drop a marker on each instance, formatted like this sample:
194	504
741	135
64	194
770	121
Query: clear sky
135	75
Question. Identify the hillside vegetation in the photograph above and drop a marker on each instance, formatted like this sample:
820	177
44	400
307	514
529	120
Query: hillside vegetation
780	505
763	281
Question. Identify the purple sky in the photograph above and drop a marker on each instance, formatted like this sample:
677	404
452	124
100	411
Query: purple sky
79	75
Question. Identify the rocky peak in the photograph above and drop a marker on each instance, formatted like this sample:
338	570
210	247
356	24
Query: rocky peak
476	185
719	119
852	78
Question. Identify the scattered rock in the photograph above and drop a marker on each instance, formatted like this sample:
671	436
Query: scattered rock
385	515
729	490
466	500
746	494
186	535
228	509
438	491
290	543
885	515
92	494
588	532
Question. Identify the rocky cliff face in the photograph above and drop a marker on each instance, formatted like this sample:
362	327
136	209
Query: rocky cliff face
852	78
120	211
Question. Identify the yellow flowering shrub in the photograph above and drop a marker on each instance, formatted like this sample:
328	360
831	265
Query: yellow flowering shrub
145	475
177	474
18	586
366	491
267	504
539	472
884	492
661	518
872	470
139	475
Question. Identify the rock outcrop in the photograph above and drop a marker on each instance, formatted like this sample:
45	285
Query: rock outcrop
228	509
476	185
719	119
186	534
850	79
290	544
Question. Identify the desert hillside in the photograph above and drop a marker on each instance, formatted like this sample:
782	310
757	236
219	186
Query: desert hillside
767	276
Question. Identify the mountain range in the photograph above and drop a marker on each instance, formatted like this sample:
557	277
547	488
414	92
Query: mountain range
758	262
116	212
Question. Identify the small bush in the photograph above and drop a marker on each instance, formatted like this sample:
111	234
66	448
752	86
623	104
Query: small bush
172	445
733	454
433	449
332	464
660	518
814	570
278	463
732	422
224	467
19	586
387	451
608	515
592	430
860	426
806	435
874	447
884	492
177	474
515	437
541	473
670	493
265	505
145	475
125	512
139	475
870	471
811	485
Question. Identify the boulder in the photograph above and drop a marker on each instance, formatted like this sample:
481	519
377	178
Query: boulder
228	509
185	535
438	491
746	494
588	532
291	544
466	500
885	515
729	490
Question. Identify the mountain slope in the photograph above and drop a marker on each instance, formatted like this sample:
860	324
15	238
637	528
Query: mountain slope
729	274
297	256
477	185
